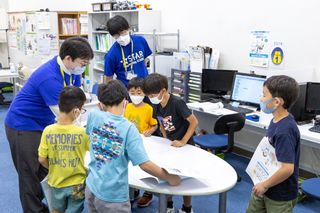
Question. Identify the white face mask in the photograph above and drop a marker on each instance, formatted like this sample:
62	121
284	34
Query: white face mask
123	40
136	99
78	70
155	100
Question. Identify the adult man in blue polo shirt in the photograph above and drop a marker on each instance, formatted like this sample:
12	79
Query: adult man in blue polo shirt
30	112
128	56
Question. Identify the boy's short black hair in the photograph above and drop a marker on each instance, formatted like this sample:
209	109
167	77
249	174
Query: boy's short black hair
76	47
71	97
117	24
112	93
284	87
135	83
154	83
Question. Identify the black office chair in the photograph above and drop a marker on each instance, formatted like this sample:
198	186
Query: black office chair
2	86
219	142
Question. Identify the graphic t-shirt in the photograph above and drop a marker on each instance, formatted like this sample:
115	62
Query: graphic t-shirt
140	116
173	117
114	141
134	54
65	147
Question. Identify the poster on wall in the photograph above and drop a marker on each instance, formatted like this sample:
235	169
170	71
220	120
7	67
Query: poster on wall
31	44
277	55
44	21
31	23
259	48
20	29
12	39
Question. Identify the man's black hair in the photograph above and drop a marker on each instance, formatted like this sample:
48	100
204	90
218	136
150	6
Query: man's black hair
284	87
154	83
117	24
112	93
76	47
135	83
71	97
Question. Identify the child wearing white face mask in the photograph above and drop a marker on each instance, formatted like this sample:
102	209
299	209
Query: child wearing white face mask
138	112
62	150
114	141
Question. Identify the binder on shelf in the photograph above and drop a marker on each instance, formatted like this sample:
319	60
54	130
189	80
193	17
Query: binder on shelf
103	42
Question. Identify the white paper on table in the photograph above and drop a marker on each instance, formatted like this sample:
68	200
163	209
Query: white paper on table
263	163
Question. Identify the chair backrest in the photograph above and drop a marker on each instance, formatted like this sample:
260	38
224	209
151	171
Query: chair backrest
229	124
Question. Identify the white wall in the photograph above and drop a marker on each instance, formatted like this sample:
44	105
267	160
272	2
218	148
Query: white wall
226	25
3	46
53	5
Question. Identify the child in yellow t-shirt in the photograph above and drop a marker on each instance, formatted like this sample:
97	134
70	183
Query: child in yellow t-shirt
138	112
62	149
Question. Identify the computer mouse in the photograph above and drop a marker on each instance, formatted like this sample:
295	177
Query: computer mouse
254	116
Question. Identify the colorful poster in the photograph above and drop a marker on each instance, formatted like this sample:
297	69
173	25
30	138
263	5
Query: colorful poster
259	48
263	163
277	55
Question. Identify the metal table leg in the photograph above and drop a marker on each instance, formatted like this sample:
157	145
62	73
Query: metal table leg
162	208
223	202
131	193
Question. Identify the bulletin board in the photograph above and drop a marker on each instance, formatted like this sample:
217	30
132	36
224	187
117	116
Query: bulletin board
33	37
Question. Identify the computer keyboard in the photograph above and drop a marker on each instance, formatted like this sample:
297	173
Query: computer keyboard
315	129
238	109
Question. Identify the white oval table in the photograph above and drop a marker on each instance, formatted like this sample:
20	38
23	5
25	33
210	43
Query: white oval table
212	174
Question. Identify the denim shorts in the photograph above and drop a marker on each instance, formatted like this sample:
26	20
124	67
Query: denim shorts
68	199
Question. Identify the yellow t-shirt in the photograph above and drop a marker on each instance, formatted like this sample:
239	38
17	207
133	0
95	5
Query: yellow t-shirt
140	116
65	147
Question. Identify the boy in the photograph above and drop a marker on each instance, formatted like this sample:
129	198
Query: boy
139	112
177	123
127	58
279	192
115	141
62	150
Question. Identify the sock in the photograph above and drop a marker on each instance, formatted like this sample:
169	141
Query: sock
186	209
170	204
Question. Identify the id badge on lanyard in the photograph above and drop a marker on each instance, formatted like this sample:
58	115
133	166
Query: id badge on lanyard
129	74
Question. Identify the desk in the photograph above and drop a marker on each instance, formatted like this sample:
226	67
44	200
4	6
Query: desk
249	137
5	74
217	176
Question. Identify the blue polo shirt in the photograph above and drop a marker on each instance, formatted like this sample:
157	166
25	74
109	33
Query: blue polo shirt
30	110
284	136
113	61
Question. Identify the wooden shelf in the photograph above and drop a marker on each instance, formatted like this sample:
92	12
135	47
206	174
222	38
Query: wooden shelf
73	15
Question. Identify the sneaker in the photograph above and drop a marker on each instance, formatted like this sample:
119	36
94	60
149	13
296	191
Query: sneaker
171	210
183	211
145	200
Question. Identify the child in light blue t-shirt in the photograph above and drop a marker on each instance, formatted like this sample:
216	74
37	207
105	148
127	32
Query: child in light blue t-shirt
114	141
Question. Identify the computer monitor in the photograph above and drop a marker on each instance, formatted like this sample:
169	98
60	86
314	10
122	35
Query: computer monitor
313	98
247	88
217	82
298	108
